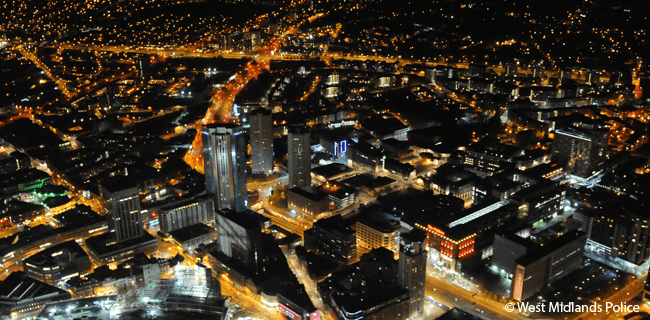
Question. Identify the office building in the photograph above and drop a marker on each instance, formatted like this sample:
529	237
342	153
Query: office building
299	165
367	156
488	157
412	269
121	198
619	231
368	289
191	237
579	150
144	66
296	304
15	162
241	239
57	264
186	213
333	239
261	141
540	202
533	265
378	231
306	203
224	160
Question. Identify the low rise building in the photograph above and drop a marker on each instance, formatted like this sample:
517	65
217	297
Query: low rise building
23	297
189	238
534	266
57	264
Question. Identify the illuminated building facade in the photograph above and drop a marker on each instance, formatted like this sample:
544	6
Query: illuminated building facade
187	213
224	157
450	247
261	122
620	231
299	164
307	203
378	232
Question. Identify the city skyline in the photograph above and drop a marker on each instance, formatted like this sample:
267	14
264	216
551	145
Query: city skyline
324	160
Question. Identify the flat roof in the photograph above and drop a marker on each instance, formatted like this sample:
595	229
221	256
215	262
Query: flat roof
306	194
331	170
247	218
540	251
336	223
18	286
191	232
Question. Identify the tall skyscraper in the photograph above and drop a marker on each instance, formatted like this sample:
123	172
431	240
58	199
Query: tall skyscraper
262	141
299	158
412	269
121	197
224	150
580	151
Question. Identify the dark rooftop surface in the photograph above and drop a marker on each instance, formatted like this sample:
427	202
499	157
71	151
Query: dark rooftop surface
335	223
306	194
330	170
457	314
539	251
18	286
104	244
119	183
190	232
248	219
50	256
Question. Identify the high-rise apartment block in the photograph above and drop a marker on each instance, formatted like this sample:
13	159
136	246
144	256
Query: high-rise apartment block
121	197
183	214
224	150
580	150
412	269
261	121
299	158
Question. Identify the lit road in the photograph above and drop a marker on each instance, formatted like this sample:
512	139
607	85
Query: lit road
473	303
621	296
310	285
248	301
62	85
284	222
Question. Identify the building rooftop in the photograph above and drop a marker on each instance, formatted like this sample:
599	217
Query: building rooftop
335	223
308	195
247	219
190	232
57	255
337	190
119	183
18	286
382	222
537	252
105	244
331	170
